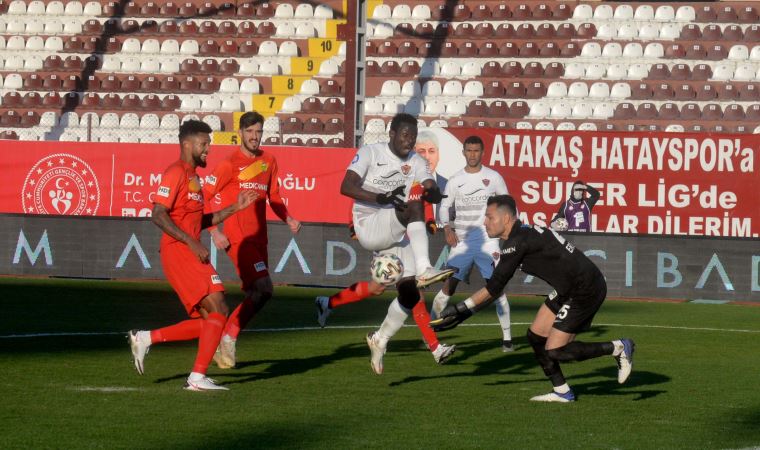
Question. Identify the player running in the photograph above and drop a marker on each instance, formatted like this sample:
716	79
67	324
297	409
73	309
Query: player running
388	219
245	235
178	211
580	290
467	192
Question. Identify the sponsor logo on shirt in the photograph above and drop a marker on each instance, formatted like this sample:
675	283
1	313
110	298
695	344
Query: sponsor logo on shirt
216	279
196	196
381	164
163	191
356	159
260	266
211	180
508	250
253	185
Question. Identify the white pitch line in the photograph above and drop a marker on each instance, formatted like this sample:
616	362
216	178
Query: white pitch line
356	327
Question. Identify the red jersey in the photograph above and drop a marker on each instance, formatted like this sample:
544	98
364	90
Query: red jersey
240	172
181	193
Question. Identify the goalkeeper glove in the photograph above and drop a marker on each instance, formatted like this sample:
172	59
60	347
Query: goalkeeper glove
394	197
433	195
451	316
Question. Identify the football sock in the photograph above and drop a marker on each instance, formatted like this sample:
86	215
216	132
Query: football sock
618	347
550	367
239	318
422	318
419	242
354	293
393	322
182	331
211	334
439	302
564	389
502	312
581	351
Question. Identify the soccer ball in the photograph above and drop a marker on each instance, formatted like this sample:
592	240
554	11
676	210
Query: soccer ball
560	224
386	269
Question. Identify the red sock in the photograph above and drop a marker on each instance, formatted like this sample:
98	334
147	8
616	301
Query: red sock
422	318
211	334
239	318
354	293
183	331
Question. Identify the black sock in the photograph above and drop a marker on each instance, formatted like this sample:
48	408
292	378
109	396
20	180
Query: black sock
581	351
550	366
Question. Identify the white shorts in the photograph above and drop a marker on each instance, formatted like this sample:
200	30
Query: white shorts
380	230
484	254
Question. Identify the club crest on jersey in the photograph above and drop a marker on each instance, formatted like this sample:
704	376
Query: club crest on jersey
486	181
405	169
194	185
496	256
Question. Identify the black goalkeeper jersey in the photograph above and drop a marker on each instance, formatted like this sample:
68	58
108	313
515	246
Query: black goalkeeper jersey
543	253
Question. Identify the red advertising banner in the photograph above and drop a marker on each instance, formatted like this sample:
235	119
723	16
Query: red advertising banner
650	183
103	179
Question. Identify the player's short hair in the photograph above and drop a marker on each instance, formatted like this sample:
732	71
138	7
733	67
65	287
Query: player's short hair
191	127
473	140
403	119
250	118
427	136
504	201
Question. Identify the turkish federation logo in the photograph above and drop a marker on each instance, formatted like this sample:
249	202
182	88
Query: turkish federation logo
405	169
61	184
486	181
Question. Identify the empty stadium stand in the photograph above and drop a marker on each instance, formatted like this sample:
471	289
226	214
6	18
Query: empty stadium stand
126	70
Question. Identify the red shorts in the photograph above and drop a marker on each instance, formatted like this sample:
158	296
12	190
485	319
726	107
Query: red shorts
251	260
190	279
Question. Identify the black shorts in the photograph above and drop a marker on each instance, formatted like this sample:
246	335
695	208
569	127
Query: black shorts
574	313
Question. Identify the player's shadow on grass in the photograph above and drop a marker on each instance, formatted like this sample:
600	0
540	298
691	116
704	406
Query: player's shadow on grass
610	386
288	366
739	428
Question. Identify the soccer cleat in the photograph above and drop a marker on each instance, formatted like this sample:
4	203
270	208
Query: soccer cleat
555	397
443	352
139	350
323	310
432	275
376	353
625	360
506	346
203	384
225	353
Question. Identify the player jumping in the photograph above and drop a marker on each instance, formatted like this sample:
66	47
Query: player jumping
387	219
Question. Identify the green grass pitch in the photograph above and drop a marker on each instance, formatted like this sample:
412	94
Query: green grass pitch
68	381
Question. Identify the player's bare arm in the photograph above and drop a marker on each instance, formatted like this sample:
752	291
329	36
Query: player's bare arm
352	187
220	239
245	199
450	235
160	217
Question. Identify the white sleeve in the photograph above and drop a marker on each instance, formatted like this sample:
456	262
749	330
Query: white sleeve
444	212
501	186
422	170
362	161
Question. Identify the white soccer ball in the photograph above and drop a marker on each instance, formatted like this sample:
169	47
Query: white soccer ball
560	224
386	269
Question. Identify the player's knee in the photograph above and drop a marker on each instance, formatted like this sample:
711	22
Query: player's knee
408	294
535	340
214	303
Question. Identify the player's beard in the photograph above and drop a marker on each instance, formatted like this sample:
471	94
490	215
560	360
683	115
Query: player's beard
199	160
251	147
